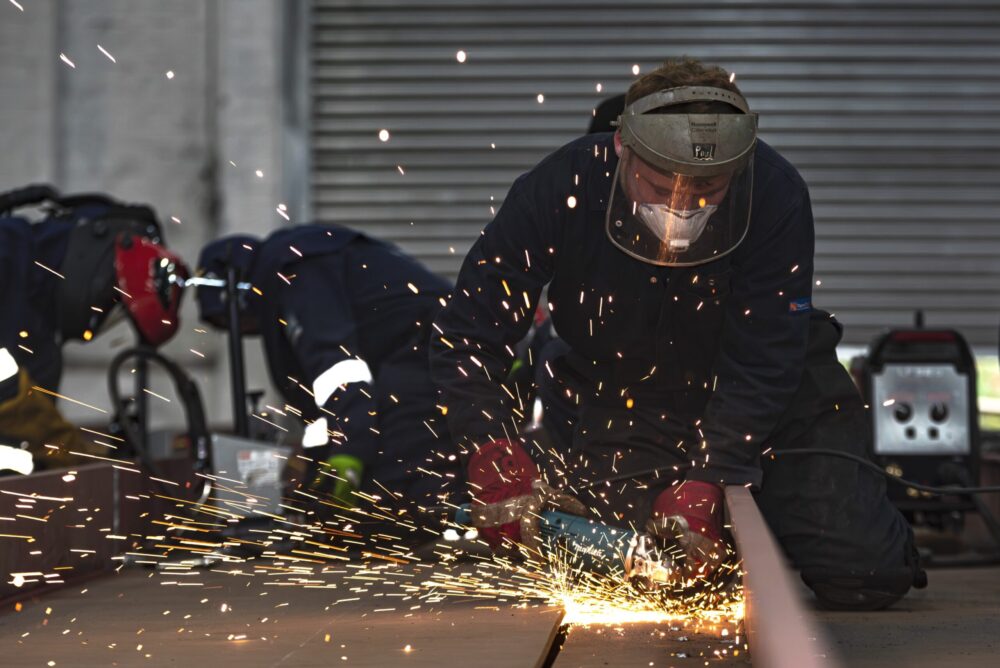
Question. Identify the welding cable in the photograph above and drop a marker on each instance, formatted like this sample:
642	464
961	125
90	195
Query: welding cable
940	491
190	397
810	451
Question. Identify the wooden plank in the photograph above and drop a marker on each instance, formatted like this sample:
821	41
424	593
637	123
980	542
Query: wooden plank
649	644
63	524
781	631
160	619
54	526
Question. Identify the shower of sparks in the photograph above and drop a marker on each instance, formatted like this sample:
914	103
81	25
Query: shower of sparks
105	52
367	554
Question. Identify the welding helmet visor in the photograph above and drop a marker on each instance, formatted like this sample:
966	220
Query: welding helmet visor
682	187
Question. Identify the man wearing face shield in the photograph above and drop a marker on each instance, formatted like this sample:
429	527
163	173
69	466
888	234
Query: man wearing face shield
677	253
68	276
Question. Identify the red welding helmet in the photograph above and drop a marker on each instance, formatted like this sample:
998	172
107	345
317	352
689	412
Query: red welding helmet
149	280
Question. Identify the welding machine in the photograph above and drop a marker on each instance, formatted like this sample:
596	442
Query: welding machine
921	387
240	475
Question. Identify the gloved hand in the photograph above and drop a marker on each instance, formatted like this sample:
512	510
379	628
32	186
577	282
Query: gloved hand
508	495
340	476
31	416
690	515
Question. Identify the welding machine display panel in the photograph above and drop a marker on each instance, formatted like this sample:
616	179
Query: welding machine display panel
250	475
921	410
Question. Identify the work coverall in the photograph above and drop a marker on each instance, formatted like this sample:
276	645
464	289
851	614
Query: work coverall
29	330
699	368
332	295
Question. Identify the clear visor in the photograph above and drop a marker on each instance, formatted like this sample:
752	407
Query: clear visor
676	220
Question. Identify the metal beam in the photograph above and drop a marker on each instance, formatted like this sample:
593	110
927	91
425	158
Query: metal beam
781	632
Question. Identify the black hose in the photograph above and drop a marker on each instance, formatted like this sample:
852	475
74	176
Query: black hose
190	401
957	489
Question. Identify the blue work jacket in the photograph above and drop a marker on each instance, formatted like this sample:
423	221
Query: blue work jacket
721	344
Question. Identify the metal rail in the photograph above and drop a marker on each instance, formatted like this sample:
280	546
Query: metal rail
780	630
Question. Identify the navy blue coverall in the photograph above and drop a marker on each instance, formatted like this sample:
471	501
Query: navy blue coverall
28	293
691	367
330	295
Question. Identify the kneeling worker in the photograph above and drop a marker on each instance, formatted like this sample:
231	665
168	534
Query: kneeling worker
345	322
678	255
63	278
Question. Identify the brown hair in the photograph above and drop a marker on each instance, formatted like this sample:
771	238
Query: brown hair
684	72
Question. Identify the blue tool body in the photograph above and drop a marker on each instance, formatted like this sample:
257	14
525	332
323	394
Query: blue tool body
580	542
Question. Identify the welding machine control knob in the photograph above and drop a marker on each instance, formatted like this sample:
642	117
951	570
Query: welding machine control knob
903	412
939	412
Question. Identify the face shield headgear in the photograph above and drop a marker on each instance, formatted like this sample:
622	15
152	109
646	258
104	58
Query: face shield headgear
117	265
682	188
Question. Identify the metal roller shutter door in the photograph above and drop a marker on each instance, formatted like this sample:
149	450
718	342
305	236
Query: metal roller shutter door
891	111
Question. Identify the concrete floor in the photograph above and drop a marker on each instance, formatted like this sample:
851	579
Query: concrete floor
954	622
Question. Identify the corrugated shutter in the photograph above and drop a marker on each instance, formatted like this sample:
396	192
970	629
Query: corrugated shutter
891	111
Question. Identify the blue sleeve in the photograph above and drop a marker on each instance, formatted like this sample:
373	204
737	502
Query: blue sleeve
323	332
761	359
498	287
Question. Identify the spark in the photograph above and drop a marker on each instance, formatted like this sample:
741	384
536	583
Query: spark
63	57
170	74
105	52
50	270
460	56
259	173
635	69
383	135
14	2
540	98
599	88
158	396
65	398
571	202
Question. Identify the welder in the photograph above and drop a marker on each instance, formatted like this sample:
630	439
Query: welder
67	276
677	252
345	319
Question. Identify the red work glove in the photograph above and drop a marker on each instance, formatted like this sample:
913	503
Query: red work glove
508	496
498	471
690	514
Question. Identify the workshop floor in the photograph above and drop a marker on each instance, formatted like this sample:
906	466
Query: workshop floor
954	622
155	619
140	618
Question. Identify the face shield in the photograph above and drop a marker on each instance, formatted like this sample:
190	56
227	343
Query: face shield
149	279
682	188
